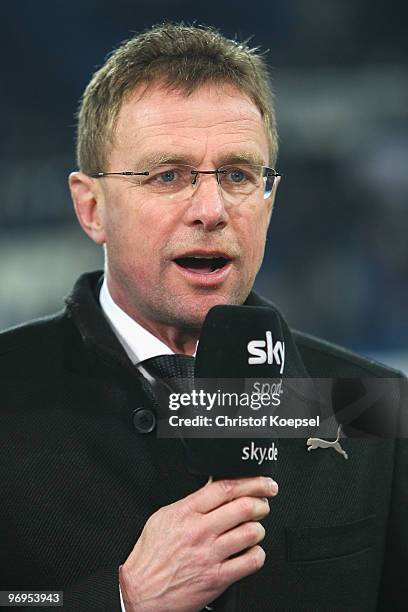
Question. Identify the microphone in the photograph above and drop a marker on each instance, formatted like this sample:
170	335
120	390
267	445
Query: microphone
241	342
237	344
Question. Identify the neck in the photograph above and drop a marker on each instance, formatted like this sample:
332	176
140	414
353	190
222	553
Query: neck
181	340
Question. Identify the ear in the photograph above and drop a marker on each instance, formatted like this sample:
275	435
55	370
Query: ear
88	203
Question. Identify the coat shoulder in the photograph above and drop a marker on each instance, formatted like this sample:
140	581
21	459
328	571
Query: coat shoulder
30	332
327	360
29	348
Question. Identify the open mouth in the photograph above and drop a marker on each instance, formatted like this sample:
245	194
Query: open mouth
202	265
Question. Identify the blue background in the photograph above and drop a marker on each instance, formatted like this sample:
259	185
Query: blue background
337	255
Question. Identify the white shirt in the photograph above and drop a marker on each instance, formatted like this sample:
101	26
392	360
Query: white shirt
138	343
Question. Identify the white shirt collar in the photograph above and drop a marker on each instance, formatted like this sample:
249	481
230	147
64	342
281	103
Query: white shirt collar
138	343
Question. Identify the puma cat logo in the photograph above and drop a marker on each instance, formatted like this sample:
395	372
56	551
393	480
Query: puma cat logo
314	443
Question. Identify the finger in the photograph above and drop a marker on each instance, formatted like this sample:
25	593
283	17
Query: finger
234	513
238	567
238	539
220	492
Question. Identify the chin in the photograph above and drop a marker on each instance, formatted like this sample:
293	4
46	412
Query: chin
194	314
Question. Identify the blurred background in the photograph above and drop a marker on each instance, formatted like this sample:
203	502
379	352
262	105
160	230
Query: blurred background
337	254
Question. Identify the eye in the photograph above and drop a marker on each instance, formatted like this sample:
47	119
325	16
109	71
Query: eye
167	177
236	175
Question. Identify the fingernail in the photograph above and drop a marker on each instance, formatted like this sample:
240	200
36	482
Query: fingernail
273	486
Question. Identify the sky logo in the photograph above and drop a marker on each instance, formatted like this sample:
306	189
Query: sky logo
266	351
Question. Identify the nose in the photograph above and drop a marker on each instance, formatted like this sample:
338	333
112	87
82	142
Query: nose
207	208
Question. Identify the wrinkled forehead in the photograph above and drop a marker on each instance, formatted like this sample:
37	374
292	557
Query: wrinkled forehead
216	115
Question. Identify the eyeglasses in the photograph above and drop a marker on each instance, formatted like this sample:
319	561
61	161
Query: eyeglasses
177	181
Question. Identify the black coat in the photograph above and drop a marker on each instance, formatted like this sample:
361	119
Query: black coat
78	481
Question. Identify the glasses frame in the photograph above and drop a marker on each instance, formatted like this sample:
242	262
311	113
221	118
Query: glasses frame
267	173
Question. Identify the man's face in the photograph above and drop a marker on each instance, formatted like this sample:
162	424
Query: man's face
150	242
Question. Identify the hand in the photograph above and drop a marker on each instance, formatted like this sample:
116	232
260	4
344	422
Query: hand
182	560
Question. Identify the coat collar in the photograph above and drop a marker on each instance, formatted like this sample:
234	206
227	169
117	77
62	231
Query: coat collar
83	308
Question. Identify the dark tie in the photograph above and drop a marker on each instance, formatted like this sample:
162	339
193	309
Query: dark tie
172	372
170	366
167	374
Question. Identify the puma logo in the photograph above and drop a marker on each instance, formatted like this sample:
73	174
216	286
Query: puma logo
314	443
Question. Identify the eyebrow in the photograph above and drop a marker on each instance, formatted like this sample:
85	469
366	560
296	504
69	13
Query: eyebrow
247	157
154	159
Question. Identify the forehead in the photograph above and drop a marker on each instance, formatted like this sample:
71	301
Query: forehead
215	120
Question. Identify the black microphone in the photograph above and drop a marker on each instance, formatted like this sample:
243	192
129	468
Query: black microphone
237	345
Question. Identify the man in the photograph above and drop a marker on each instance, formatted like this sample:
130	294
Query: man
176	148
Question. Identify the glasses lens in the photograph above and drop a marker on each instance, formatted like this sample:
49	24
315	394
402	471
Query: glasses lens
269	179
239	181
168	179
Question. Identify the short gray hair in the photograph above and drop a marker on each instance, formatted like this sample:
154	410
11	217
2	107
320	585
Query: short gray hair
182	57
